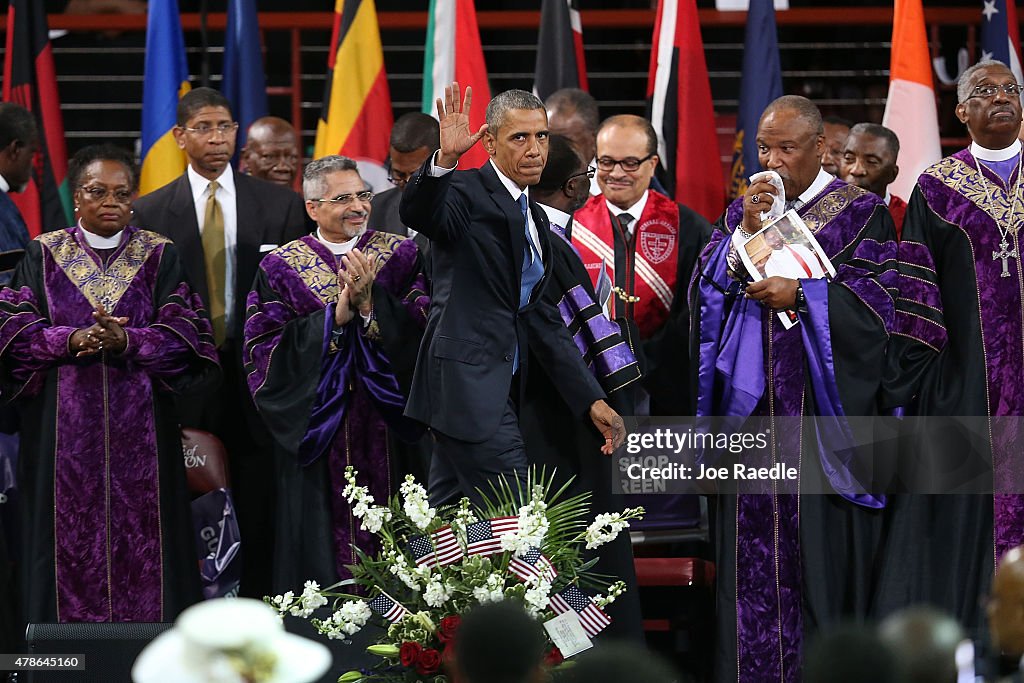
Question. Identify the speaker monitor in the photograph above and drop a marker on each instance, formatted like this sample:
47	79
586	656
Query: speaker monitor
109	649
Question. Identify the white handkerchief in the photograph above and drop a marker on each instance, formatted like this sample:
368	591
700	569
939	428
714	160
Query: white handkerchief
267	247
778	206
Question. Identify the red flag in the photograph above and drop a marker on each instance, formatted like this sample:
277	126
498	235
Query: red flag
679	96
31	81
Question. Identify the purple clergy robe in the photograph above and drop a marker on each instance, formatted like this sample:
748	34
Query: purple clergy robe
329	402
108	532
777	549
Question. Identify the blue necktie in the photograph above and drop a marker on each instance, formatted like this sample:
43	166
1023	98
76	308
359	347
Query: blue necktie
533	268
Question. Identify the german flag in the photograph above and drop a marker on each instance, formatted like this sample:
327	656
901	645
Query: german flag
31	81
356	116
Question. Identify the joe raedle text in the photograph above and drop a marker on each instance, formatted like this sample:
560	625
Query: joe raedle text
736	472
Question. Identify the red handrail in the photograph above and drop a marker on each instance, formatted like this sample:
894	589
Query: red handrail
524	19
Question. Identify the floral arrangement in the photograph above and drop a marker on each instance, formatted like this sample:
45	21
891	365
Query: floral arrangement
524	544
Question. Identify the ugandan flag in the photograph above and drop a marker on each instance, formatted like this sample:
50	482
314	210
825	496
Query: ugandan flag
356	117
681	110
31	81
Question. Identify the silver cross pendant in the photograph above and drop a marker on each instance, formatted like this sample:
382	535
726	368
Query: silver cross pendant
1004	253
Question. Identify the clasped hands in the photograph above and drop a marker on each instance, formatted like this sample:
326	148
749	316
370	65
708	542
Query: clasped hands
776	292
106	334
354	287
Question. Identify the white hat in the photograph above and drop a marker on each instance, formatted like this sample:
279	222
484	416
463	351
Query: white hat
214	641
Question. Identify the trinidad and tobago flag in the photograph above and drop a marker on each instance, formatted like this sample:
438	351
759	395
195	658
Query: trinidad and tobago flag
560	62
31	81
681	110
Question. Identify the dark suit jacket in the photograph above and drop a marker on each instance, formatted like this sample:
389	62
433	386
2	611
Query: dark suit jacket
385	217
464	369
267	214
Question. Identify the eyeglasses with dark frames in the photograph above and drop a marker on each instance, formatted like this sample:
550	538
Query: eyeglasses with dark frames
629	164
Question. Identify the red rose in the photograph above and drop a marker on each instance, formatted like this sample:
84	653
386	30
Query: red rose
448	628
553	657
409	653
429	662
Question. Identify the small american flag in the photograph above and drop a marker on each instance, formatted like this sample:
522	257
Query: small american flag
532	564
386	606
593	619
440	548
484	537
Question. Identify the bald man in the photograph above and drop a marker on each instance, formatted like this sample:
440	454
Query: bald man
926	641
271	151
797	563
1006	618
647	244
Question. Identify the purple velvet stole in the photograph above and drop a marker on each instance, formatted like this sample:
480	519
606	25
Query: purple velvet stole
357	395
954	192
107	528
736	338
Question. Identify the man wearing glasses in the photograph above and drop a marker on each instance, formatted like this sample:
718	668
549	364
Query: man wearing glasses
222	223
414	137
649	244
334	323
956	348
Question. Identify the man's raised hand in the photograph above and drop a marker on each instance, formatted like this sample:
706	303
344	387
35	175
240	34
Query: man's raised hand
456	138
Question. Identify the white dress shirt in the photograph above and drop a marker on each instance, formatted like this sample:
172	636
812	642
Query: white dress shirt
227	197
512	188
635	211
4	185
557	217
819	184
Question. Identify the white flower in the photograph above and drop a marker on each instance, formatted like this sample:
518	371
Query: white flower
416	505
374	519
283	603
406	574
537	597
348	619
532	526
614	591
493	590
463	517
310	600
606	526
437	592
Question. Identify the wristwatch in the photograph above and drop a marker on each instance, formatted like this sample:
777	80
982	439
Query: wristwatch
801	299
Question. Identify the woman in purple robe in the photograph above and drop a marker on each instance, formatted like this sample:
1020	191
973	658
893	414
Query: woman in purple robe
98	329
332	328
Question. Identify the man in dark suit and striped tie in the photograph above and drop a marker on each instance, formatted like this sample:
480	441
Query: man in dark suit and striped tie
19	140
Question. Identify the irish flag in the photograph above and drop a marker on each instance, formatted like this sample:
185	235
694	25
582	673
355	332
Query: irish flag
454	54
910	108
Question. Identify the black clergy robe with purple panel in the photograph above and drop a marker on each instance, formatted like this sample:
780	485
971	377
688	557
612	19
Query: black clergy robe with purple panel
107	524
958	351
329	401
790	564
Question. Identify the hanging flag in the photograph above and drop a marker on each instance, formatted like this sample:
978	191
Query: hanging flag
31	81
760	83
680	109
453	53
165	81
438	549
592	618
387	607
910	110
533	564
484	537
1000	36
244	83
560	62
356	117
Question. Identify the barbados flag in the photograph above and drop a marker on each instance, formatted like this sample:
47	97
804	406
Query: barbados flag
355	119
760	83
166	80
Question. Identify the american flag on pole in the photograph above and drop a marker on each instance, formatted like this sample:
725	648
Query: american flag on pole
386	606
593	619
532	564
999	34
484	537
440	548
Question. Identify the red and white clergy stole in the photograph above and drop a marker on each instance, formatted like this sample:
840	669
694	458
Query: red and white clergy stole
655	243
